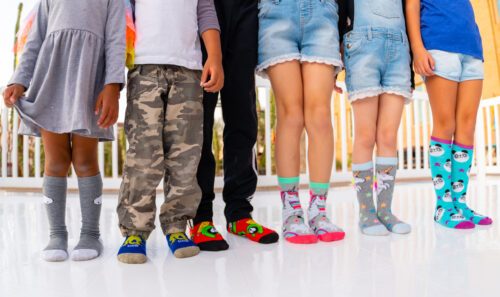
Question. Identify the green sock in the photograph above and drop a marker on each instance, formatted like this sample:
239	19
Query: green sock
287	184
319	189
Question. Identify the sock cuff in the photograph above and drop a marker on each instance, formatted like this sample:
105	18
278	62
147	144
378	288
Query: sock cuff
440	140
386	161
362	166
288	180
321	186
463	146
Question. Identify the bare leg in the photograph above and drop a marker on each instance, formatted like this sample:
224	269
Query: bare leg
443	100
86	165
389	117
57	161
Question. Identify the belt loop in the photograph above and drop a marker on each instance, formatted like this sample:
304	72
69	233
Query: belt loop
370	34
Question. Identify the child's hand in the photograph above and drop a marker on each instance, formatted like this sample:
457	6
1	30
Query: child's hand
108	105
12	93
424	63
212	69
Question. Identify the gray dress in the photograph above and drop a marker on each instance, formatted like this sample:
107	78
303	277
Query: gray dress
74	48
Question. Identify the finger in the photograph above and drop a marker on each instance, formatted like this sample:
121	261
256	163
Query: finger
104	114
98	105
16	94
204	76
432	62
212	82
109	121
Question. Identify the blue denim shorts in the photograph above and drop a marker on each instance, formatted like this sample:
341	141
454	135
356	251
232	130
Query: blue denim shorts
377	60
457	67
303	30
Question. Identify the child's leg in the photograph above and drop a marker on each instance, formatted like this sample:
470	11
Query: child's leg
183	138
365	125
86	165
144	165
443	98
286	80
57	150
318	80
389	117
469	96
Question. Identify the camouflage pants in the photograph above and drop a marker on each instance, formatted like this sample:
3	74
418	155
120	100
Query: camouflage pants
164	127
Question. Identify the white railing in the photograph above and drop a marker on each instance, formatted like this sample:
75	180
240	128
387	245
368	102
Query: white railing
413	141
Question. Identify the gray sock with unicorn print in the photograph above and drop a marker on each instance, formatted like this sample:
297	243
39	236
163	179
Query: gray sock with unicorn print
386	168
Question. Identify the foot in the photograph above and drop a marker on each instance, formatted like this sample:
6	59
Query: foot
474	217
181	246
207	238
392	223
133	250
252	230
371	225
451	218
56	250
88	248
295	230
326	230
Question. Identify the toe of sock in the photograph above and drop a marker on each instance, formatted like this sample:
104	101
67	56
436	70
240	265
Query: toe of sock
213	246
302	239
132	258
84	254
269	238
376	230
54	255
465	225
331	236
401	228
485	221
187	252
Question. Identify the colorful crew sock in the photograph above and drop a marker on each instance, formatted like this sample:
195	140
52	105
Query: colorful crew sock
363	183
439	158
295	229
181	246
133	250
461	163
54	198
207	238
321	225
386	168
252	230
89	246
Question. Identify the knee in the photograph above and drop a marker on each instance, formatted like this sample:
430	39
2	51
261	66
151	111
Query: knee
57	167
318	121
387	138
365	139
292	118
85	167
445	127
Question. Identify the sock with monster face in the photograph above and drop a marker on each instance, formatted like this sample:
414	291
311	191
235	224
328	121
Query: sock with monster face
439	158
460	166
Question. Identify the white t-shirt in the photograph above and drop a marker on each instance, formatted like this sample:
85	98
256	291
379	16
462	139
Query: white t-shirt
167	33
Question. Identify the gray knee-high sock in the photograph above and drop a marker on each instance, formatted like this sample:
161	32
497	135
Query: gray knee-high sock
386	168
363	182
89	246
54	198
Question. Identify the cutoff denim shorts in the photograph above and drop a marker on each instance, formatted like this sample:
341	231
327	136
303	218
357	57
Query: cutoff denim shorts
457	67
303	30
377	61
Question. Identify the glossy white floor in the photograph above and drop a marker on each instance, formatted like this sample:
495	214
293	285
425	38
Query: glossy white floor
431	261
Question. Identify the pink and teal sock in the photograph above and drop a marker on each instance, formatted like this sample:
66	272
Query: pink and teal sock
461	163
440	154
295	229
319	222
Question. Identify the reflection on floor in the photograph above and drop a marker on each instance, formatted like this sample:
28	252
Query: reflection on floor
431	261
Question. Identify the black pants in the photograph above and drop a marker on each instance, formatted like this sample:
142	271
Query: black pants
239	28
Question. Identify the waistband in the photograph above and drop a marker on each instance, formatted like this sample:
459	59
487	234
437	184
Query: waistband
373	32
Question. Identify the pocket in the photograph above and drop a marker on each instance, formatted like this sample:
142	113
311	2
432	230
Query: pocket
386	8
332	6
265	6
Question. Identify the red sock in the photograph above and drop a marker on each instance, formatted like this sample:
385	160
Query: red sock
253	231
207	238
